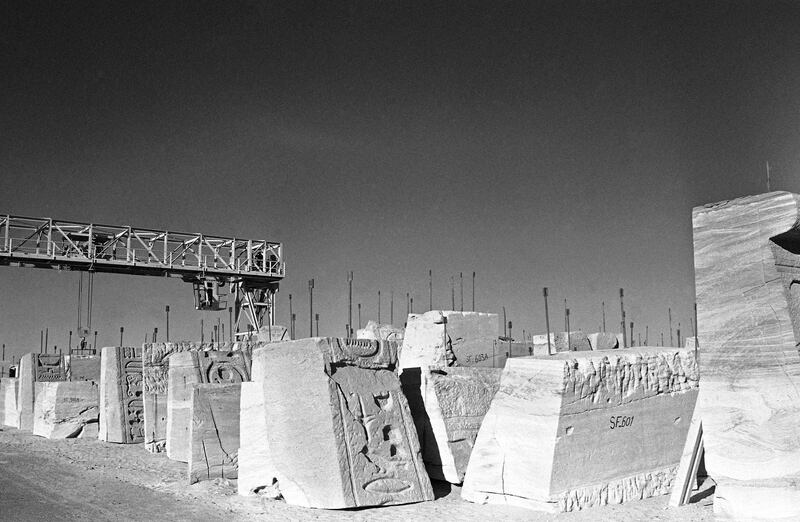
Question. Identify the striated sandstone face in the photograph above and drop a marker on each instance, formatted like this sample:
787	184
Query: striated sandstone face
747	279
575	430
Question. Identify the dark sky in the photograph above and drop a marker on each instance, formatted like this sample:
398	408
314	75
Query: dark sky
558	144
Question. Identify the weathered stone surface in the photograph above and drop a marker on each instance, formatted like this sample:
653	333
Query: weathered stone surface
576	341
84	368
214	432
155	364
380	332
456	400
64	409
36	367
256	470
604	341
196	367
9	413
747	280
448	338
121	395
570	431
339	430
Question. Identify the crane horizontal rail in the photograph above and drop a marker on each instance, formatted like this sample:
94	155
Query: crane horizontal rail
48	243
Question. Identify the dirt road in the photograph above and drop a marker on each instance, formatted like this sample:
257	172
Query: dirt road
85	479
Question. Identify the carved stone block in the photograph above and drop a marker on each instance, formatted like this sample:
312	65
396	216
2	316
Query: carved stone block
36	367
63	410
214	432
9	413
575	430
456	400
84	368
121	395
339	430
747	280
195	367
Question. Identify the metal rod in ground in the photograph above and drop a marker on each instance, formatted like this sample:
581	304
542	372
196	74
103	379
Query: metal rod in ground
311	307
379	307
547	321
391	307
166	310
291	318
452	294
671	342
679	335
566	326
505	330
412	305
350	299
569	337
647	335
202	334
473	291
359	316
408	307
631	333
430	290
230	322
95	340
46	341
316	316
294	320
509	340
4	353
696	330
603	304
461	283
70	342
41	341
622	311
662	338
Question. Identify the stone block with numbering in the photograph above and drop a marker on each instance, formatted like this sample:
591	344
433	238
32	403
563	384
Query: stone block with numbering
214	432
571	431
36	367
121	402
456	400
9	389
65	410
196	367
340	434
747	280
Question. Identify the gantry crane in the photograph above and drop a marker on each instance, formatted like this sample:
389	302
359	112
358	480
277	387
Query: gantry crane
252	269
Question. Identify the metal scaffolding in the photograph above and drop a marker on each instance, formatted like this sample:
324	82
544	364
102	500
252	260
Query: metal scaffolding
252	268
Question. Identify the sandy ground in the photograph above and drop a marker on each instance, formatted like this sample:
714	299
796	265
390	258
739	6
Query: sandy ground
83	479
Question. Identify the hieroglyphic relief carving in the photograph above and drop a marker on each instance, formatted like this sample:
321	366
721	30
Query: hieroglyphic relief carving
49	368
130	372
217	367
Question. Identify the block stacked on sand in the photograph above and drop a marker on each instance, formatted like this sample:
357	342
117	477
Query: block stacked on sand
456	400
36	367
84	368
196	367
747	279
571	430
121	395
65	410
443	338
339	431
214	432
155	365
9	391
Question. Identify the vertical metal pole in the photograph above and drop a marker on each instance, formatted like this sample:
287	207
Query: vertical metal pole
95	340
359	316
669	310
155	334
662	338
452	294
46	335
41	341
631	333
311	307
473	291
4	352
294	318
408	308
291	318
391	307
505	329
202	334
70	342
461	284
569	336
547	321
350	299
316	317
167	332
696	329
566	323
430	290
379	307
121	331
679	335
216	334
604	315
509	339
622	310
647	335
412	305
230	323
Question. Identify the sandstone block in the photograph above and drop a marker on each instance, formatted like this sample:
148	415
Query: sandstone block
456	400
64	409
747	274
214	432
9	390
256	470
339	430
197	367
575	430
36	367
121	395
604	341
84	368
446	338
380	332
